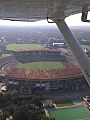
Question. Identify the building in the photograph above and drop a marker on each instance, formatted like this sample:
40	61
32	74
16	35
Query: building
69	78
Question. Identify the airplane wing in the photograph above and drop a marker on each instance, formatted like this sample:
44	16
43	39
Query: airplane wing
33	10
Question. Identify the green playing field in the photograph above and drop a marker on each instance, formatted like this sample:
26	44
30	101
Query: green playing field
77	113
41	65
86	46
23	46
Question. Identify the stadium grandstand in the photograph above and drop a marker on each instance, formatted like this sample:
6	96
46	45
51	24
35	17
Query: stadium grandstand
68	78
39	55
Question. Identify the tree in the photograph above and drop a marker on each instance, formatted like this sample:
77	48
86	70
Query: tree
44	117
1	100
20	115
37	102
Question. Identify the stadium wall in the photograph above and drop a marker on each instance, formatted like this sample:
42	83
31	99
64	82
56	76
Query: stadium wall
69	84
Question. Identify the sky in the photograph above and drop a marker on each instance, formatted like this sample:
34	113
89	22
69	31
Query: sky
73	20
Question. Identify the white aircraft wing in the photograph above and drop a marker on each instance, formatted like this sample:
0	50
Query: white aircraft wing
32	10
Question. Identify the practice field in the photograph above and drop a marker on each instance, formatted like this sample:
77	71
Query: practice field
24	47
77	113
5	55
41	65
86	46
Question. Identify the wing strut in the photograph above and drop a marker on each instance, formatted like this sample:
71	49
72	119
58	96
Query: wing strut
79	53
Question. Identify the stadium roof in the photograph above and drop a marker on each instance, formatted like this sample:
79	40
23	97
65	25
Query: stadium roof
38	50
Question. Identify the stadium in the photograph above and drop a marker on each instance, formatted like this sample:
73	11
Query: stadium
61	75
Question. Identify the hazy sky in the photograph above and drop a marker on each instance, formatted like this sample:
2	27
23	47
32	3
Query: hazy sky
74	20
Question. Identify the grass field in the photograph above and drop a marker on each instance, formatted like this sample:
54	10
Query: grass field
41	65
77	113
23	46
5	55
86	46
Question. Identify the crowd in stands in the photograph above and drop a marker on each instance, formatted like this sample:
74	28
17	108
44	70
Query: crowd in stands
66	72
